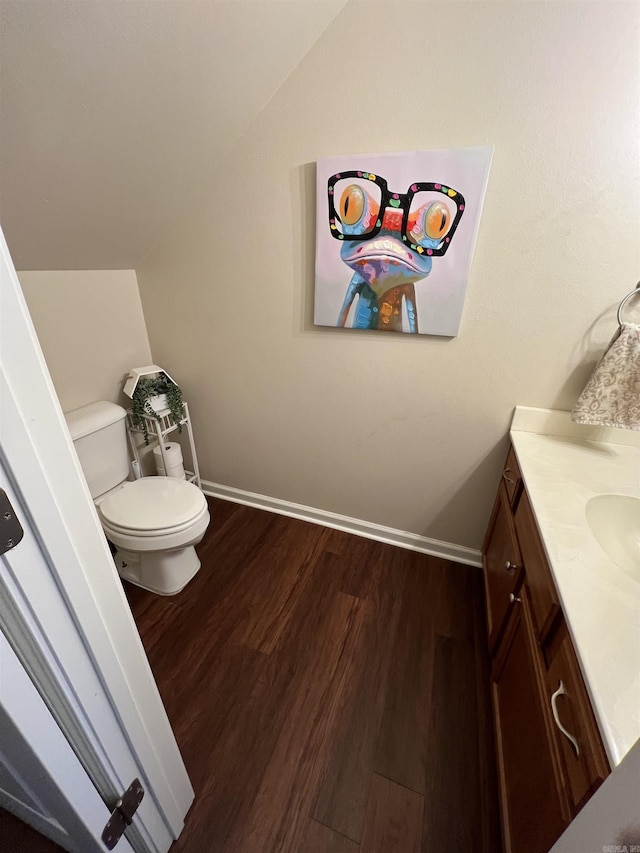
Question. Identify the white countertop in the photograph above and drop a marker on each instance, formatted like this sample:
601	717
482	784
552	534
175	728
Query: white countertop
563	467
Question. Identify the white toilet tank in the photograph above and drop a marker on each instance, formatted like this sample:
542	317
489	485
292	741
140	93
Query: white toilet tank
100	438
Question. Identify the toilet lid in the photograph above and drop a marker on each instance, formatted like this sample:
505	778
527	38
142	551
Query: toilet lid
153	503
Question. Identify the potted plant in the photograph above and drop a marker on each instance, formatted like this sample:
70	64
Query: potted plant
154	394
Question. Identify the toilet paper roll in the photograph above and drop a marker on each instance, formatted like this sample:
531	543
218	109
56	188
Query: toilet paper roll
176	471
173	455
172	452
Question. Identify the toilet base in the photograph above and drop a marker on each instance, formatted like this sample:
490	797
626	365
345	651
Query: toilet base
161	572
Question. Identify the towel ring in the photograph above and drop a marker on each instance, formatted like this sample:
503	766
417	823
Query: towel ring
635	292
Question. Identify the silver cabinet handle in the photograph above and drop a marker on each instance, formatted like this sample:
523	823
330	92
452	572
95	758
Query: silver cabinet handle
508	479
509	566
554	710
513	598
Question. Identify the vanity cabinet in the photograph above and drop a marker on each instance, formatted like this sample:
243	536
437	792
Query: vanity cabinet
549	752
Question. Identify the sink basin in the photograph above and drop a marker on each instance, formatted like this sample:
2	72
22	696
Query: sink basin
615	522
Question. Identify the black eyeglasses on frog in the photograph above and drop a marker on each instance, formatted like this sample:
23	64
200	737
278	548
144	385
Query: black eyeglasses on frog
426	216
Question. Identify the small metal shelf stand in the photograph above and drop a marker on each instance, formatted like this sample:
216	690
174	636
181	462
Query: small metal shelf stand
160	429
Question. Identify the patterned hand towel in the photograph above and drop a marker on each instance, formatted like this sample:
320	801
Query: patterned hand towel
612	395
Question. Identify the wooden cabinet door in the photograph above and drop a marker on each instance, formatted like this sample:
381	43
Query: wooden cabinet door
534	806
502	566
583	755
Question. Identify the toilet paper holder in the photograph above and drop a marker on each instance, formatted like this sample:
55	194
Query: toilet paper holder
159	430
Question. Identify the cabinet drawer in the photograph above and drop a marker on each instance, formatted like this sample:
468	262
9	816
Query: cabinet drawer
542	592
502	566
511	477
576	731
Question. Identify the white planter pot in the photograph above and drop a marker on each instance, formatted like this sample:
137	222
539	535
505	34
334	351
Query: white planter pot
158	403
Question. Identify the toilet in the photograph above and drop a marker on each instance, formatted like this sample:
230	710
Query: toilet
155	522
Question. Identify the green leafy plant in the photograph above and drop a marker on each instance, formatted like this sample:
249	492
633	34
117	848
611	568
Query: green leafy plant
174	403
152	386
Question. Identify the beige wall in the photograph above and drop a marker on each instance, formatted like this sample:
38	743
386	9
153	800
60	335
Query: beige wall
402	431
91	329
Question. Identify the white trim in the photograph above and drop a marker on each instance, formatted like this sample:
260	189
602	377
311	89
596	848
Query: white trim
366	529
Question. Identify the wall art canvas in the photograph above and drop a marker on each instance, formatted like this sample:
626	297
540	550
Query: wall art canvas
395	238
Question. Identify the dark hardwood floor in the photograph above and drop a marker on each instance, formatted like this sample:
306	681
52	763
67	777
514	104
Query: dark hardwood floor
19	837
329	694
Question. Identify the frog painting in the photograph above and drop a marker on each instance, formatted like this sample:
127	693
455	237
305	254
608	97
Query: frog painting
397	260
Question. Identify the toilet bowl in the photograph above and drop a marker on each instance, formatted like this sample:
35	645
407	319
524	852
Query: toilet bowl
155	524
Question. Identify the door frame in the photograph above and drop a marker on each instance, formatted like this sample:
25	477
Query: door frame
35	755
72	628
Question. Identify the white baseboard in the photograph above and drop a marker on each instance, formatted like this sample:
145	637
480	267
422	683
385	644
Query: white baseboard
401	538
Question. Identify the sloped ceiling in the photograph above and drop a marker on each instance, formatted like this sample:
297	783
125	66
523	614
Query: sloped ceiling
113	113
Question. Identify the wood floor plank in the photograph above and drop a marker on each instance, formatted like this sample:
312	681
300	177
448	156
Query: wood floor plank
352	737
358	561
458	583
212	611
402	745
208	726
278	817
278	587
322	839
158	612
337	540
225	753
452	801
394	819
229	773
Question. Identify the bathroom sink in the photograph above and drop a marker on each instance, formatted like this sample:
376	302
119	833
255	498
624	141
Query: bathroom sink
615	522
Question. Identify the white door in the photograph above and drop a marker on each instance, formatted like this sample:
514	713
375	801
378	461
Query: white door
62	606
41	779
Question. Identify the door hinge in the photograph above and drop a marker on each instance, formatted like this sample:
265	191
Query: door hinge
122	814
11	531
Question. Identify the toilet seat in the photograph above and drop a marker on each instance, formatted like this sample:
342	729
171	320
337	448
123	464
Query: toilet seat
124	530
153	506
